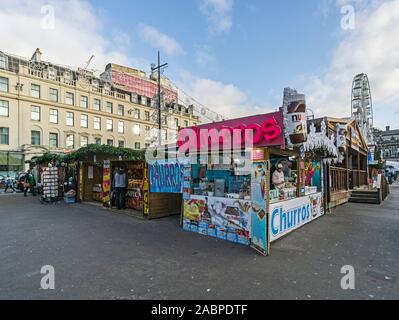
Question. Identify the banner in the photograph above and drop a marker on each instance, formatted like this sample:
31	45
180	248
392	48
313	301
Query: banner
106	182
146	193
223	218
166	177
288	216
258	208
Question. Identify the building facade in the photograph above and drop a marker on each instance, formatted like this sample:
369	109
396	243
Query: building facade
388	143
49	108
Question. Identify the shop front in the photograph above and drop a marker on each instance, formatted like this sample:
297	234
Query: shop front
251	196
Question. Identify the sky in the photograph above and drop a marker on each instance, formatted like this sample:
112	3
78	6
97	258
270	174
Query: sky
233	56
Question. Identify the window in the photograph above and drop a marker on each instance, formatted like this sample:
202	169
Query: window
3	61
97	104
84	141
136	129
35	138
35	113
84	120
185	123
110	125
35	91
53	95
4	138
70	119
4	108
147	116
70	141
110	142
176	122
3	84
84	102
53	116
121	110
147	132
109	108
147	145
137	145
121	127
69	98
97	141
97	123
137	113
53	140
121	144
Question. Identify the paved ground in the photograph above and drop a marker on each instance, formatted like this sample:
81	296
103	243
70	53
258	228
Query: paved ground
102	255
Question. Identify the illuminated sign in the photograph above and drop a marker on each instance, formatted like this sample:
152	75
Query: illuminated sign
260	131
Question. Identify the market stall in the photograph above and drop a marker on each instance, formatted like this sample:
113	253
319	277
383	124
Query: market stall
345	154
256	200
164	188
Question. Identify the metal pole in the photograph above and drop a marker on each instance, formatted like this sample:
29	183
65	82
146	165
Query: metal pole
159	99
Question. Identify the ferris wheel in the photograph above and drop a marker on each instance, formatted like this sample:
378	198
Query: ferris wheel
362	105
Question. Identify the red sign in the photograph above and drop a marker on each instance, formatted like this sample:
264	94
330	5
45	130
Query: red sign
266	130
140	86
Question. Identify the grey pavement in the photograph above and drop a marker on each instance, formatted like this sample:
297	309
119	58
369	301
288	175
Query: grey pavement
98	254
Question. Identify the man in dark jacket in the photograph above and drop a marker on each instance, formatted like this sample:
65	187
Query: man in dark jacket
120	186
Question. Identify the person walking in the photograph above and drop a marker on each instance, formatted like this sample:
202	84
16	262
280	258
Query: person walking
120	186
9	184
29	184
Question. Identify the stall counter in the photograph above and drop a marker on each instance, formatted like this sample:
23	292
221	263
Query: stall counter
287	216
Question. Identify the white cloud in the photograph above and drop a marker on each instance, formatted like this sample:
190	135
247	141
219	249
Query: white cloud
77	34
160	40
371	48
218	13
224	99
204	57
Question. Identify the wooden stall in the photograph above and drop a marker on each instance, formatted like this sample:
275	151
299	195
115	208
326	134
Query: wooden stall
350	171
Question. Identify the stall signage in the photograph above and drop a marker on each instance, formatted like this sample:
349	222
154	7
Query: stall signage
259	131
146	191
166	177
259	239
106	182
355	139
288	216
223	218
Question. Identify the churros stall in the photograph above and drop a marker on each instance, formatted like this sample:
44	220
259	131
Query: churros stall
248	196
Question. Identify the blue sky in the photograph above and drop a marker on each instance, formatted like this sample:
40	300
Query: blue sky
233	56
270	44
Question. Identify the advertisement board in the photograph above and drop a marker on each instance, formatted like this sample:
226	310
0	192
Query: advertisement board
223	218
166	177
258	208
106	181
288	216
355	139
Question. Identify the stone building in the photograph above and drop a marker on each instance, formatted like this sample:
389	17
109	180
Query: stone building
388	143
47	107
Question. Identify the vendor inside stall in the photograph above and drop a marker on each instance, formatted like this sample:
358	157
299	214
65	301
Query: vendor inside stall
284	177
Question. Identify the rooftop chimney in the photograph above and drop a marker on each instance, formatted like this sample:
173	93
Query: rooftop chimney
387	128
37	56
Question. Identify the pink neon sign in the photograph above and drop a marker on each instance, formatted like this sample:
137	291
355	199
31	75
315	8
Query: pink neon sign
267	130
